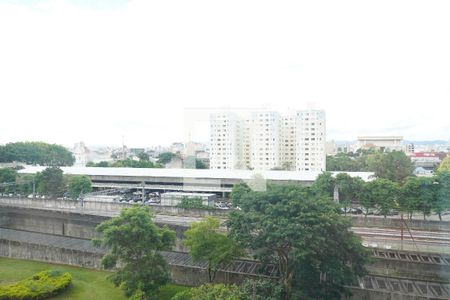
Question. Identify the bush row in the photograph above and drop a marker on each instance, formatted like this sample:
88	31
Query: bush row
41	285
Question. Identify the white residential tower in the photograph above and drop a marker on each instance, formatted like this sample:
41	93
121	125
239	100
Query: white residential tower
265	140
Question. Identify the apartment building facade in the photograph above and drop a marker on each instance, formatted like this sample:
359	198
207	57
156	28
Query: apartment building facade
266	140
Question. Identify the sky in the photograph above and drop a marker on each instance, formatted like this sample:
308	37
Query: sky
150	72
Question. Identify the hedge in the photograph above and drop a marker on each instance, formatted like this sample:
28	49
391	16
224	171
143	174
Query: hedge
41	285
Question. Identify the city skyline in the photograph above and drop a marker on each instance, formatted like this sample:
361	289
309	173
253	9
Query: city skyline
98	80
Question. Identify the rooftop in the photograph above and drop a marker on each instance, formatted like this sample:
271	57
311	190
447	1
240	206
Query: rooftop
376	138
194	173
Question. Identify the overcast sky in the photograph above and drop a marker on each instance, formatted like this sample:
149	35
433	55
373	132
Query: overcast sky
150	71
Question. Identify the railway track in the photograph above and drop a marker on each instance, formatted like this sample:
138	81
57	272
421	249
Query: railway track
418	236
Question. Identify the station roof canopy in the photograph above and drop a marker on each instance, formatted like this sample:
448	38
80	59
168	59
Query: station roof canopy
195	173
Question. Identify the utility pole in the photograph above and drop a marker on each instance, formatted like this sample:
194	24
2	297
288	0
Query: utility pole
34	187
401	232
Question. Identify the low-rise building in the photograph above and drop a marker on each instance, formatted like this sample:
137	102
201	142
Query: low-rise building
426	160
383	143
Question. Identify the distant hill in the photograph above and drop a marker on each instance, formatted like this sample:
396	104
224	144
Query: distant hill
434	142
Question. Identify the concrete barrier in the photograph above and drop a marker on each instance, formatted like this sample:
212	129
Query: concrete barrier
70	224
114	208
106	207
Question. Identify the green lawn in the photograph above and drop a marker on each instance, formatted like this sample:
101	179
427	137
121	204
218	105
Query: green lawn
86	283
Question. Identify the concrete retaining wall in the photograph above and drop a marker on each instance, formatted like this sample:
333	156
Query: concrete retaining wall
46	253
360	294
113	208
416	270
181	275
107	207
65	223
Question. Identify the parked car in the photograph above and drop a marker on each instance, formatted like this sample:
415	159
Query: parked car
221	205
154	200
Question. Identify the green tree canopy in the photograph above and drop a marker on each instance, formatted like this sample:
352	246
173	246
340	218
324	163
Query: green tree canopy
343	162
428	195
350	189
199	164
125	163
324	184
410	195
206	243
238	191
79	184
261	289
304	236
394	166
384	194
210	292
51	182
133	242
165	157
36	153
143	156
7	175
445	165
442	202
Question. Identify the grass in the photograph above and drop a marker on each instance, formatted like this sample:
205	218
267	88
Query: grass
86	283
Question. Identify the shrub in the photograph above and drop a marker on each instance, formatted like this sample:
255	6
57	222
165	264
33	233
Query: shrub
210	291
194	202
41	285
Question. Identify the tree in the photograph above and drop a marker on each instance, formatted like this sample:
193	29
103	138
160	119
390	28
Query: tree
324	184
445	165
261	289
442	202
384	194
133	242
165	157
51	182
304	236
210	292
24	183
129	163
7	175
36	153
102	164
342	162
238	191
79	184
287	165
193	203
206	243
428	194
410	195
143	156
199	164
350	189
367	200
395	166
